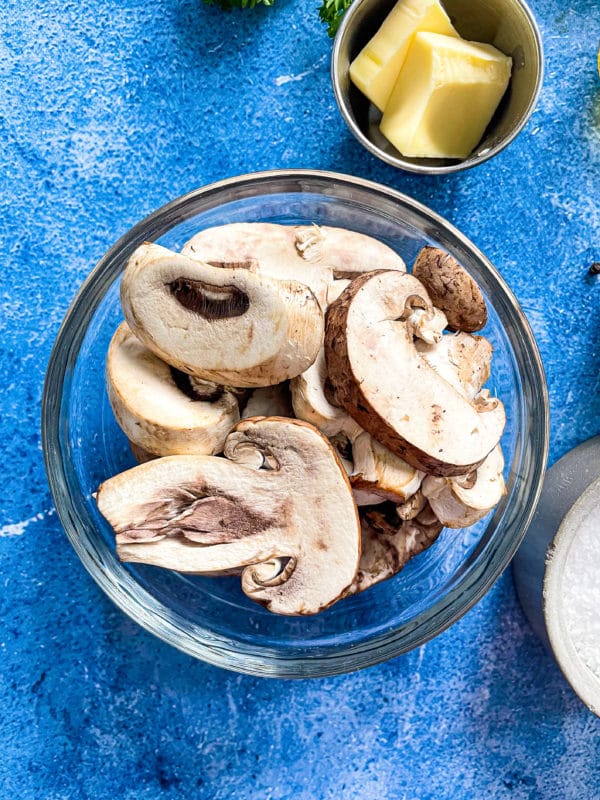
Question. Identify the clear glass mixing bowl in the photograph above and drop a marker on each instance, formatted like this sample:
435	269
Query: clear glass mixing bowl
211	618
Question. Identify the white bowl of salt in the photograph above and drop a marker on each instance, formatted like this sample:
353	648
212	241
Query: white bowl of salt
557	569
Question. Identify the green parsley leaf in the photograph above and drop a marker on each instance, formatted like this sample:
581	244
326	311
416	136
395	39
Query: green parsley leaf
331	13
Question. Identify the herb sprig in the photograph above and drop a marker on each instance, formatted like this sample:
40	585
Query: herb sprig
330	12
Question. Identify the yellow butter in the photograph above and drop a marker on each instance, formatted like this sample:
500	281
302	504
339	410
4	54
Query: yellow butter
445	96
375	69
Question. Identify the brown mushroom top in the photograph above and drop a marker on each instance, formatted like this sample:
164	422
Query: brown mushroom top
451	289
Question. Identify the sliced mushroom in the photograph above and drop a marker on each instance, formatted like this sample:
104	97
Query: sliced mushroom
349	253
224	325
376	473
387	547
269	401
461	359
462	501
379	471
311	405
383	382
311	254
451	289
260	247
158	408
413	507
278	505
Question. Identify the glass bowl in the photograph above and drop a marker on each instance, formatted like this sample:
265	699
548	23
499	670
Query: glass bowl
211	618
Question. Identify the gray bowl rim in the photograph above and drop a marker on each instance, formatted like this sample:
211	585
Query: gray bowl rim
126	593
423	169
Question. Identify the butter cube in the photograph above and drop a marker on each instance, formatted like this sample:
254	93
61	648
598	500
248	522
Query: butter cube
376	67
445	96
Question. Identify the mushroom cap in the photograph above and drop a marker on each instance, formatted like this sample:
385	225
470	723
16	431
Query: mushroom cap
383	382
451	289
224	325
279	505
462	501
154	412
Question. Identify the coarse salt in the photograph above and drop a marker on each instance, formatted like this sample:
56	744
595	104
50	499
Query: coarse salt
581	592
572	596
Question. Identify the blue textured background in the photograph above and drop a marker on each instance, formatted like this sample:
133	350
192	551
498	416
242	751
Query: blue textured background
109	109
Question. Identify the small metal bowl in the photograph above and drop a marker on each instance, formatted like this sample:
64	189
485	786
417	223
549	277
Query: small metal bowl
507	24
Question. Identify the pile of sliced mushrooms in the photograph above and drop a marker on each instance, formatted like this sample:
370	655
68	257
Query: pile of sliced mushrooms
306	413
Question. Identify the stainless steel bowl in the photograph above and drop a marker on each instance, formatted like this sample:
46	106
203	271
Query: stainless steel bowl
507	24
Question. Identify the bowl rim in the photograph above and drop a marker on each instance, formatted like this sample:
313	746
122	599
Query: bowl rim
225	652
402	163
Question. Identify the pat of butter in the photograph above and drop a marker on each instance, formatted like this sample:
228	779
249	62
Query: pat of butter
375	69
445	96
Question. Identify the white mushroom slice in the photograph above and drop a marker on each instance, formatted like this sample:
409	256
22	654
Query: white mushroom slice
157	408
361	496
269	401
412	507
348	252
461	359
224	325
260	247
383	382
378	470
311	405
365	498
462	501
205	514
387	547
451	289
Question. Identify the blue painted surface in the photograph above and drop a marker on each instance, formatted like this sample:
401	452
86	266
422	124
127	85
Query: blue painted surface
107	111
